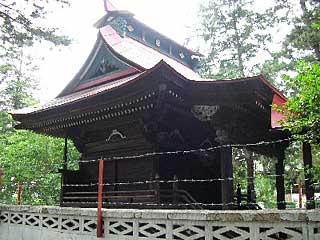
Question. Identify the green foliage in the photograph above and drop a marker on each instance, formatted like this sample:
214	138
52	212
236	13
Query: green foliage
265	191
20	23
302	108
236	34
26	157
18	80
32	160
305	35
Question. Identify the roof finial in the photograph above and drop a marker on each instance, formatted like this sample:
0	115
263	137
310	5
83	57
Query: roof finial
108	6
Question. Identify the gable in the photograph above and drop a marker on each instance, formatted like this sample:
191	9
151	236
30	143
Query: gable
101	66
104	63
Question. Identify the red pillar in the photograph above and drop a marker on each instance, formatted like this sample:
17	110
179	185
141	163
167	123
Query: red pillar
19	194
100	189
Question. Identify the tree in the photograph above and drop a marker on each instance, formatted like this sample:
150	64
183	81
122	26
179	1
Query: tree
33	160
236	34
305	36
303	40
26	157
18	80
20	23
302	108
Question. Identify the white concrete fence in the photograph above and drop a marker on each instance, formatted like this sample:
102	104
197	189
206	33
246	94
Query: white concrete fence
35	223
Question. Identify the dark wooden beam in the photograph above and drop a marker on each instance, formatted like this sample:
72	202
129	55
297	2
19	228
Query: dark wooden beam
226	173
307	162
280	178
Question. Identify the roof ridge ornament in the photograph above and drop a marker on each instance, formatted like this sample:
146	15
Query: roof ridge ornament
108	6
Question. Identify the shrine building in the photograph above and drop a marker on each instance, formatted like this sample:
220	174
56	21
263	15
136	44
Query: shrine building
139	92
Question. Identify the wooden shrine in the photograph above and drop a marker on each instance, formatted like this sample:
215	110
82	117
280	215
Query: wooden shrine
138	92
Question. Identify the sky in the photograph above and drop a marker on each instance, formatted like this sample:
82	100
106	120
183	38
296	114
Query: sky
173	18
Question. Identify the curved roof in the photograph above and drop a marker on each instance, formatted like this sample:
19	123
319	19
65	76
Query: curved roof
208	86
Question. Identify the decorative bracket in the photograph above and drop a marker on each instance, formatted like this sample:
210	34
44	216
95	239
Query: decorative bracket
204	112
115	132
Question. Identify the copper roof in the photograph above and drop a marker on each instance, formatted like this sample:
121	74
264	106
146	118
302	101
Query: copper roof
74	97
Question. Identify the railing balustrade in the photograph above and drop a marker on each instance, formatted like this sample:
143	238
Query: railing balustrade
17	222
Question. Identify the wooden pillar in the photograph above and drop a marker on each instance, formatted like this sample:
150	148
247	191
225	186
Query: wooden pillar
280	178
65	153
116	178
226	174
307	162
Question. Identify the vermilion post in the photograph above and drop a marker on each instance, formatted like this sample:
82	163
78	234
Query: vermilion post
100	189
19	194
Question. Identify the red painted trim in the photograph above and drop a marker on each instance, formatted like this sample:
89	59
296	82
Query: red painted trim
277	117
106	79
108	6
275	90
100	190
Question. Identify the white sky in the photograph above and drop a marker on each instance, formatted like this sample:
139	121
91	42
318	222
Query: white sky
170	17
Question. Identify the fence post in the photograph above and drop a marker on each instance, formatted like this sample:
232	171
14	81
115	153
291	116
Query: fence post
157	188
19	194
100	189
300	193
174	189
238	195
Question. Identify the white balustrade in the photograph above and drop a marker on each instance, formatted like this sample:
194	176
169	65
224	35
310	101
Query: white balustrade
34	223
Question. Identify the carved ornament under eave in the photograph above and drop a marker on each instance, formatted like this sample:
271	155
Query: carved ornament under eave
130	28
158	43
105	67
204	112
115	133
